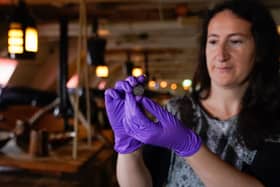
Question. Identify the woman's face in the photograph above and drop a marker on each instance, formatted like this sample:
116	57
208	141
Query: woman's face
230	50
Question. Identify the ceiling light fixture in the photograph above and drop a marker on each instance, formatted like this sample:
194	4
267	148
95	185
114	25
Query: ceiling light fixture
22	34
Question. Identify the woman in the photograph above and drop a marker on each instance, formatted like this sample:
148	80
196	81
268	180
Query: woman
227	132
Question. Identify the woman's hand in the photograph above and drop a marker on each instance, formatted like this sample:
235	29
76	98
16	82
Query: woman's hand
114	102
167	131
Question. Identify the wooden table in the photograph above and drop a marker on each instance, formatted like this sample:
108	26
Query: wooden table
94	166
58	161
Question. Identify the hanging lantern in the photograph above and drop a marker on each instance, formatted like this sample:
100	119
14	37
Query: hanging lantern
22	34
97	48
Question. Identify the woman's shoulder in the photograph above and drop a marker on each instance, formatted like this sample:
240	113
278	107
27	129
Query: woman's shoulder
179	102
182	107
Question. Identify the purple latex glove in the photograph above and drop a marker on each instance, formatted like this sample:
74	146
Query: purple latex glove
168	131
114	102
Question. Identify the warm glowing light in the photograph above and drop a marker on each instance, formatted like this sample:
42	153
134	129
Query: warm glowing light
15	49
17	33
152	84
173	86
163	84
73	82
15	39
22	33
137	71
186	84
31	39
7	68
102	71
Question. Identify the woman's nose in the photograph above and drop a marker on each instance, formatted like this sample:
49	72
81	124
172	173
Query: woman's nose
222	52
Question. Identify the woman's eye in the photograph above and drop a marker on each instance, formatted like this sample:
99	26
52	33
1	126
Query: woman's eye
236	42
212	42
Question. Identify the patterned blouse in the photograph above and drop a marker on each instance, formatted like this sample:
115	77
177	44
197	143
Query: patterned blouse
220	136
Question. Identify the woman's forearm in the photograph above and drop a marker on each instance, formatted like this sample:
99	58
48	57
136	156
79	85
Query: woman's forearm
215	172
131	170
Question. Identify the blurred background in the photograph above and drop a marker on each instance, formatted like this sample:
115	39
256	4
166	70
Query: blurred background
58	57
159	36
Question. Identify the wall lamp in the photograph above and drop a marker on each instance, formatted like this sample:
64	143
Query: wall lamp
97	48
22	34
130	68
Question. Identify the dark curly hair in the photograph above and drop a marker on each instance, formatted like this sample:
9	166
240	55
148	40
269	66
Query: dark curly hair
258	117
